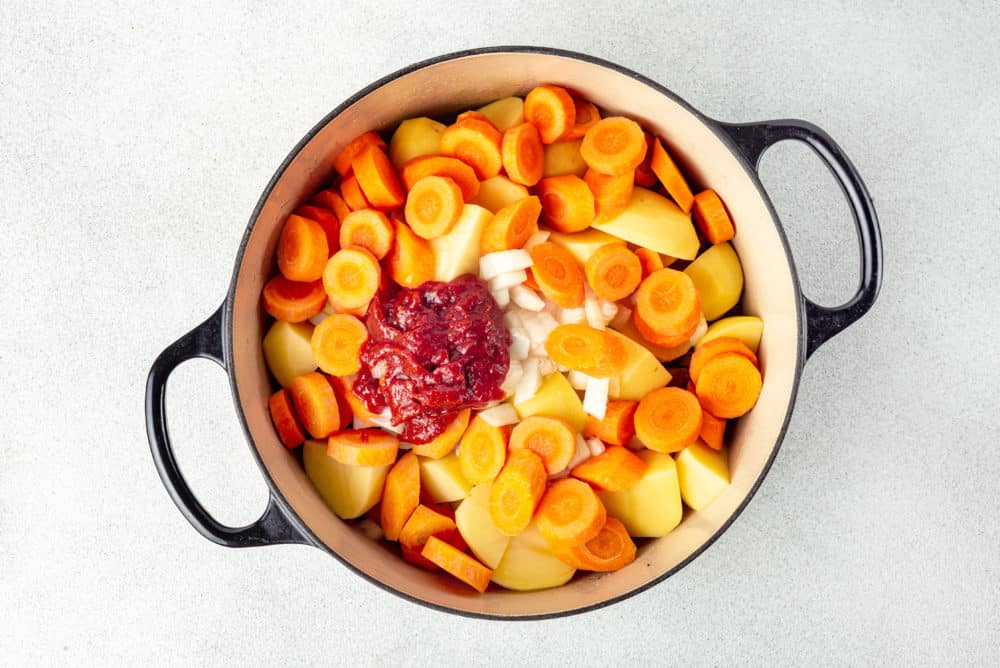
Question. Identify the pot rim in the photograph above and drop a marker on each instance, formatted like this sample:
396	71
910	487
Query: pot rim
711	124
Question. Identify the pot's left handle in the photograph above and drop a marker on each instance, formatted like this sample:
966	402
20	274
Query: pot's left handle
204	341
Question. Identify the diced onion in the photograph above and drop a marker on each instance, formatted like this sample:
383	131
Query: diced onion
384	420
520	344
319	317
539	237
577	379
608	309
512	319
581	454
546	366
595	317
526	298
508	279
514	373
499	416
492	265
699	330
530	381
572	316
595	397
596	446
539	326
501	297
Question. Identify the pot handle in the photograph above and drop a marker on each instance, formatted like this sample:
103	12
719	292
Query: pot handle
754	139
205	341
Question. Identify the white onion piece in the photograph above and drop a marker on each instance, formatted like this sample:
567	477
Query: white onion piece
379	369
500	415
526	298
699	330
621	318
501	297
319	317
512	319
539	326
608	309
595	397
384	420
577	379
492	265
572	316
546	366
539	237
359	423
530	381
581	454
595	317
508	279
596	446
520	344
514	373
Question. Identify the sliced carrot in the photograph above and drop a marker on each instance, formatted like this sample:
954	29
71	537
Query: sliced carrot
668	419
351	278
400	495
472	115
423	523
445	442
557	274
411	261
342	390
567	203
315	404
522	155
613	272
516	491
615	469
377	178
614	145
611	550
551	110
345	159
583	348
530	281
511	226
353	195
644	174
369	229
433	205
712	218
670	176
293	301
483	451
336	344
327	220
302	249
585	117
550	438
363	447
617	427
729	385
650	260
283	416
612	194
713	430
459	564
570	513
667	307
331	199
717	346
441	165
477	144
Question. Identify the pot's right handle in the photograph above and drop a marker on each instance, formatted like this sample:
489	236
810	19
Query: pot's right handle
822	322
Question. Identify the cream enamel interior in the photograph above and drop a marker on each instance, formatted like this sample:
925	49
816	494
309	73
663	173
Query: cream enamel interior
466	82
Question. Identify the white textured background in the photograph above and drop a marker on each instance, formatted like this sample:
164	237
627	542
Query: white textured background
134	142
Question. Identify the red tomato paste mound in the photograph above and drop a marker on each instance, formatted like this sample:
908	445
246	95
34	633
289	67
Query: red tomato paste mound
432	351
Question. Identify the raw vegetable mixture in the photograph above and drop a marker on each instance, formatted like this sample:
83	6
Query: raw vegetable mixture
513	341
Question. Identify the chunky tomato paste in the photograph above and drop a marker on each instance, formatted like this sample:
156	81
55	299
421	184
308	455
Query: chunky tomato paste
432	351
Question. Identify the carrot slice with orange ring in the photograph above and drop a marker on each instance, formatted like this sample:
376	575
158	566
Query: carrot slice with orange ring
667	307
611	550
315	403
442	165
351	278
516	491
583	348
551	110
336	344
614	145
717	346
363	447
522	155
368	229
557	274
570	513
668	419
377	178
293	301
477	144
612	194
613	272
567	203
433	205
729	385
550	438
511	226
302	249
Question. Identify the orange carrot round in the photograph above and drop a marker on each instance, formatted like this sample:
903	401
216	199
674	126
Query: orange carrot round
400	495
315	404
567	203
483	451
477	144
433	205
302	249
570	513
668	419
613	272
591	351
327	220
363	447
586	116
615	469
445	442
336	344
441	165
426	521
717	346
367	228
644	175
345	159
557	274
650	260
351	278
617	427
283	417
612	194
377	178
667	308
614	145
516	491
511	226
331	199
293	301
472	115
522	155
550	438
342	390
711	217
353	195
611	550
453	561
713	430
411	260
670	176
729	385
551	110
